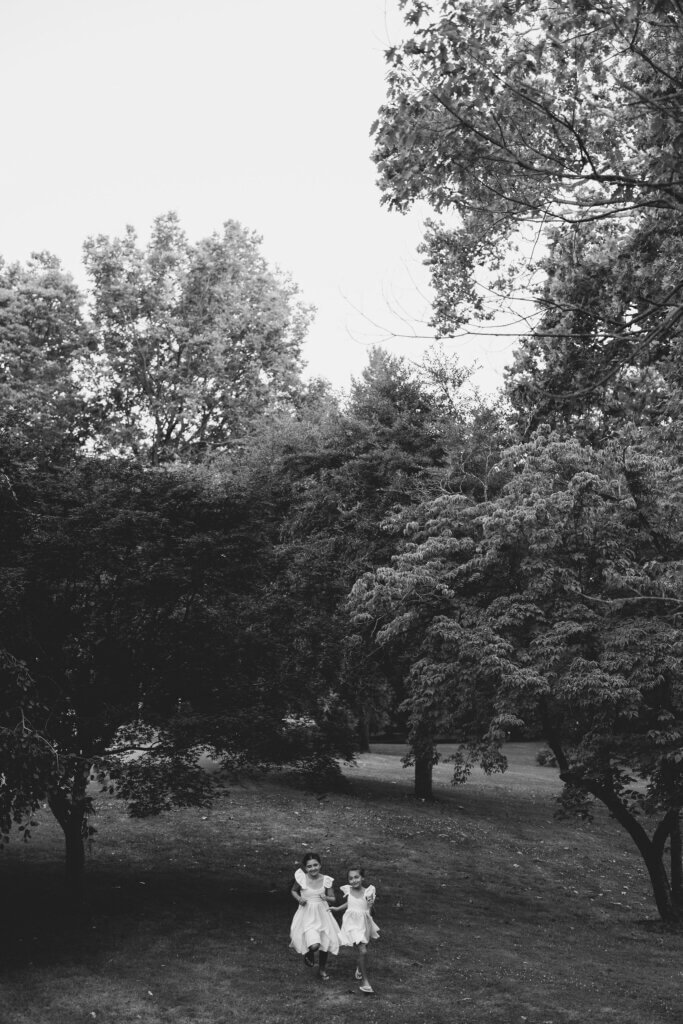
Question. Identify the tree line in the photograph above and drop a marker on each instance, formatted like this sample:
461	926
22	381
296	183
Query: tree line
183	518
203	553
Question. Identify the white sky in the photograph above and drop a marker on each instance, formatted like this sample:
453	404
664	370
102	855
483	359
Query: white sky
115	111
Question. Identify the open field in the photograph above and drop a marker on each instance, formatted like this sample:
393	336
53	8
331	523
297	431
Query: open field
490	910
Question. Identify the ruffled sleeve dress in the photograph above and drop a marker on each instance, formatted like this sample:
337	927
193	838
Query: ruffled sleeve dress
313	922
357	923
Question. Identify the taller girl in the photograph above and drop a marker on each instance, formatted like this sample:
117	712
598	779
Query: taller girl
313	927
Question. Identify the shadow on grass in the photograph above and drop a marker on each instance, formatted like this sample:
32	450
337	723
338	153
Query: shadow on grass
48	928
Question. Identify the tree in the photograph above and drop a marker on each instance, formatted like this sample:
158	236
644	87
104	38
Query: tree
473	472
327	476
577	370
135	562
555	602
561	119
27	760
131	643
194	341
377	456
556	605
44	342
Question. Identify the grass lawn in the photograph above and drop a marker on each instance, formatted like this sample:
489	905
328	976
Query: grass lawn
490	910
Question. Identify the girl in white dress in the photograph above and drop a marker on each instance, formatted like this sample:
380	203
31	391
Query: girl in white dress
313	927
358	927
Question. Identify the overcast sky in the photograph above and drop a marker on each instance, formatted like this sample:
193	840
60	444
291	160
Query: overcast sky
116	111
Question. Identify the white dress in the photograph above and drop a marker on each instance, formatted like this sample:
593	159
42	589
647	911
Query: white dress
357	923
313	922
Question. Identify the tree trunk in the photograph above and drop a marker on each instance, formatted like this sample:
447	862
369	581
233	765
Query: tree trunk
651	850
661	889
423	776
363	732
70	810
676	863
75	855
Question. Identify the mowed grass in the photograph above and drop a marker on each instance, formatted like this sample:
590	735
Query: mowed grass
490	910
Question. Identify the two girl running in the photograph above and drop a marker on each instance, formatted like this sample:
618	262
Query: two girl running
314	929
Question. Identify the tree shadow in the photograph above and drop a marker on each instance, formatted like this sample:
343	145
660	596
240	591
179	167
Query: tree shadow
44	927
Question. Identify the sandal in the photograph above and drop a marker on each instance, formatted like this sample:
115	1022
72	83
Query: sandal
368	989
324	976
358	975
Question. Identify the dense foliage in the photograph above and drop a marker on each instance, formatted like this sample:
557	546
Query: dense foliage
548	135
133	569
556	607
193	341
182	520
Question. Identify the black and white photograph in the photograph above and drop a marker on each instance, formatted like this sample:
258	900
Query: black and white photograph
341	511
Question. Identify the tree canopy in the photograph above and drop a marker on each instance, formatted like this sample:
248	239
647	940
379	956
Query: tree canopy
134	562
193	340
133	643
44	338
547	139
555	605
561	120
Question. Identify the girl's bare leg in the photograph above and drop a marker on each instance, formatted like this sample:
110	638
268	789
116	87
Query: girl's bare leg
309	957
362	950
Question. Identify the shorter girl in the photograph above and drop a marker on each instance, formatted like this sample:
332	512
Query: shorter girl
357	926
313	927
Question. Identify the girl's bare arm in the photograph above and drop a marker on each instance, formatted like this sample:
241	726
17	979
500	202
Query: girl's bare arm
296	893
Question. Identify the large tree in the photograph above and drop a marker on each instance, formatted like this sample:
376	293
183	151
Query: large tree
194	340
557	605
548	135
331	474
130	591
132	641
472	471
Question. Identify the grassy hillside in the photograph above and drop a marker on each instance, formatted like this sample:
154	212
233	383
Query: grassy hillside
490	910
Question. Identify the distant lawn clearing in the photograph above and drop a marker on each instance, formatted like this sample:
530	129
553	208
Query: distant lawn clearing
490	910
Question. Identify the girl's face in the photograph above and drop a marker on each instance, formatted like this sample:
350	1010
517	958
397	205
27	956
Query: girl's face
355	879
312	868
